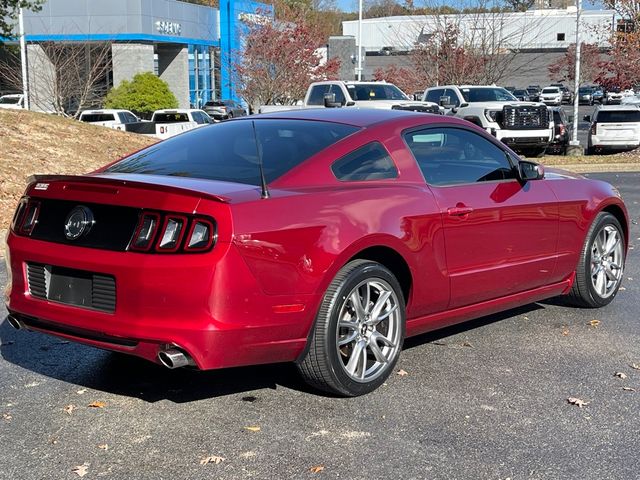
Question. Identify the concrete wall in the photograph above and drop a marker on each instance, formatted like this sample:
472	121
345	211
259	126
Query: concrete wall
173	68
132	58
344	49
41	79
529	68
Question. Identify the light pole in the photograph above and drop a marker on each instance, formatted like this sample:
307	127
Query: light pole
576	86
23	61
359	40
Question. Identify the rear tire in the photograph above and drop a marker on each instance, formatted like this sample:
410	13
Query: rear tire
601	266
359	330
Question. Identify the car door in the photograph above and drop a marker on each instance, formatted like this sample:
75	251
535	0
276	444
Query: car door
500	234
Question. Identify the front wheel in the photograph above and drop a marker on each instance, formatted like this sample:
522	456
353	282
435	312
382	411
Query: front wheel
601	266
359	331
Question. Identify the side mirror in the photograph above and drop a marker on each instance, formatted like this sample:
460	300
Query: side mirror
587	118
350	103
445	102
330	101
530	171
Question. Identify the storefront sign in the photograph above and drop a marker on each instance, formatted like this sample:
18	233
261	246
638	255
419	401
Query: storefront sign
169	28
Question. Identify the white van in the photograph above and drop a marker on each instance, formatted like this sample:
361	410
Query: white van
614	127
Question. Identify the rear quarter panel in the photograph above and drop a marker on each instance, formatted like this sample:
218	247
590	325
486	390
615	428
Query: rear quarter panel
579	201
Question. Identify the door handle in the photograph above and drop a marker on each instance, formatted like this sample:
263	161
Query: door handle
459	211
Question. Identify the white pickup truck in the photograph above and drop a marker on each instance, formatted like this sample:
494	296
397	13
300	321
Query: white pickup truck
335	93
526	127
110	118
12	101
168	123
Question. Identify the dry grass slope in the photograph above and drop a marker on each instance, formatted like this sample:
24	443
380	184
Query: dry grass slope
35	143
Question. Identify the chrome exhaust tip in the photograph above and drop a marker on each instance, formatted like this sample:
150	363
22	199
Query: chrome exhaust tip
15	323
174	358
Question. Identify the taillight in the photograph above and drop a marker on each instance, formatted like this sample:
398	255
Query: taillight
170	233
562	130
26	217
145	232
201	236
17	217
594	127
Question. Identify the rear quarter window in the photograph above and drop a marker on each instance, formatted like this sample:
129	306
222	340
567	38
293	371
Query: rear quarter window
97	117
370	162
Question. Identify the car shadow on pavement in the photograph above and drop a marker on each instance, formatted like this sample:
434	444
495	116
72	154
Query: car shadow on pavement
122	374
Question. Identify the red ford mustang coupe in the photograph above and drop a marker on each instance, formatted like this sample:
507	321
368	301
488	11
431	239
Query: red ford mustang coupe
323	237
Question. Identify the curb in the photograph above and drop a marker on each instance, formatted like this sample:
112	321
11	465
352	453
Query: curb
597	167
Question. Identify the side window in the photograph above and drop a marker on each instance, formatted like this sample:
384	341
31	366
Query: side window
453	156
453	98
434	95
338	92
316	97
370	162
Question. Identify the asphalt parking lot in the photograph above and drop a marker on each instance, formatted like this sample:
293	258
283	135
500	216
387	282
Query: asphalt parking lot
484	400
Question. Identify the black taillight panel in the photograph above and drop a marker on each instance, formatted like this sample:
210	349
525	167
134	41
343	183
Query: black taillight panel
161	232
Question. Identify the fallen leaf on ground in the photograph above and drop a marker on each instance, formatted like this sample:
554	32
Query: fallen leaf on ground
467	344
81	470
635	366
252	429
69	408
577	401
565	331
97	405
622	289
7	416
81	392
402	373
621	375
628	389
316	469
212	459
594	323
104	447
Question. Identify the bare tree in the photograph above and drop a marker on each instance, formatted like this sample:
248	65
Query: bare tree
66	78
482	45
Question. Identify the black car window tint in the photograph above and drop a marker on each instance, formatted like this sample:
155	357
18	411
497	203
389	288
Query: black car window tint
227	151
370	162
451	156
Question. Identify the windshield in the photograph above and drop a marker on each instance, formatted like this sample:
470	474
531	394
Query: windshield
228	151
584	90
487	94
9	100
375	91
550	90
619	116
520	92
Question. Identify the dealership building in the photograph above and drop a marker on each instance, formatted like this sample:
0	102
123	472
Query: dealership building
190	46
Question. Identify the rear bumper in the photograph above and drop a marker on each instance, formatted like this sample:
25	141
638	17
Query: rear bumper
613	144
209	305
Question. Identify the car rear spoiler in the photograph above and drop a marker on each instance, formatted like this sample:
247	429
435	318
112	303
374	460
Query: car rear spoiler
40	182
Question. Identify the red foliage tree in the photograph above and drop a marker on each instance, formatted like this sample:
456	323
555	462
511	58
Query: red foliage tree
622	68
279	62
407	79
564	68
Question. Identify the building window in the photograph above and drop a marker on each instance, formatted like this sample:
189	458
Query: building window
201	75
560	37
